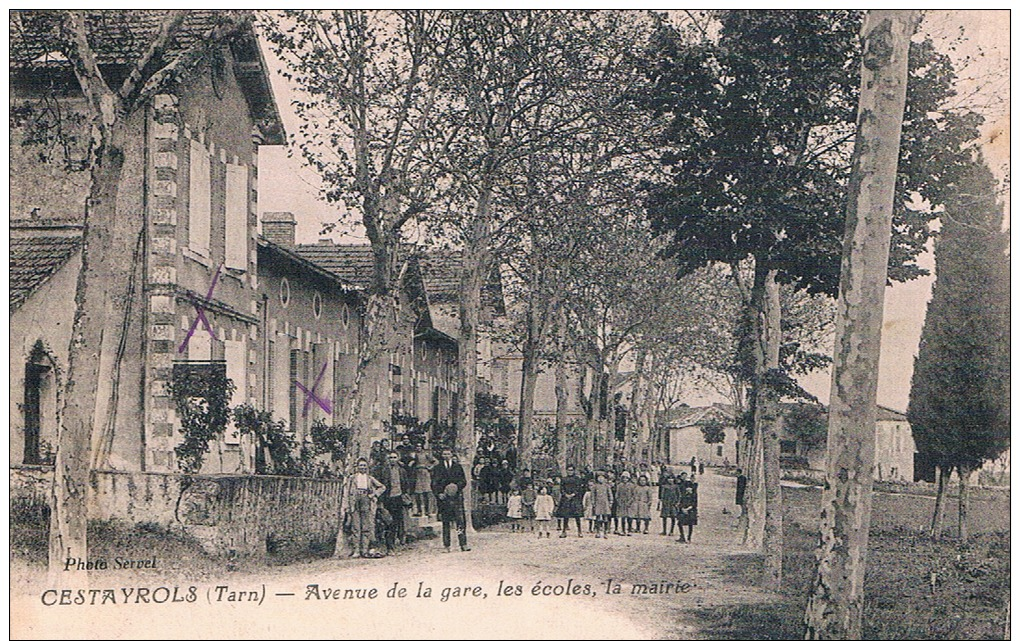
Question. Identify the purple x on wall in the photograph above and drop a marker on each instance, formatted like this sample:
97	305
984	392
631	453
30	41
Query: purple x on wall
200	314
310	394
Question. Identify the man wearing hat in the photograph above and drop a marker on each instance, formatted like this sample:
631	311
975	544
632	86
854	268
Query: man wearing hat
448	482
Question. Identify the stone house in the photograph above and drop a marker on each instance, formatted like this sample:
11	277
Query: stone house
422	379
686	439
310	325
191	171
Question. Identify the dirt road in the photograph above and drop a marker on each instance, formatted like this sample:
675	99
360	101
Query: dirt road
508	585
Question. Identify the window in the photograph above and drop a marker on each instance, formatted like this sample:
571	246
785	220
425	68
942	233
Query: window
345	316
236	241
718	450
284	292
317	304
788	447
199	199
40	409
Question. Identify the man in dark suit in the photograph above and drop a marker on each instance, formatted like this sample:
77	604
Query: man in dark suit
448	483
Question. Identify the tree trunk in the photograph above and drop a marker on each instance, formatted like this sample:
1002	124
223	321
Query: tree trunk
526	414
964	474
473	269
938	516
637	406
101	293
590	410
561	413
371	391
754	497
836	603
765	300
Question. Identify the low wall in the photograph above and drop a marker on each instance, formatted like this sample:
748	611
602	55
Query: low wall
229	515
988	510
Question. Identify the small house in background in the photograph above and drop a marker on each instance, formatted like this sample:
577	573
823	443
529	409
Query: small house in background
687	428
802	444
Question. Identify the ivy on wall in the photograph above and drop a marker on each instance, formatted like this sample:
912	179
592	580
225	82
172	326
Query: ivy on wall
200	392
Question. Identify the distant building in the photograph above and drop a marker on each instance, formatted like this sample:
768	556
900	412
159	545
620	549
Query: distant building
894	443
686	438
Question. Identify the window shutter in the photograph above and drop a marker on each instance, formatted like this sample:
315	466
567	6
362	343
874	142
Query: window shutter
199	200
236	241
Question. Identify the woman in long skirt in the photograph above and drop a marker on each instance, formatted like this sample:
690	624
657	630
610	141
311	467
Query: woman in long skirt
669	497
687	510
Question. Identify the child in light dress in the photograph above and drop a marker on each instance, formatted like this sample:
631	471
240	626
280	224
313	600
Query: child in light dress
544	508
513	510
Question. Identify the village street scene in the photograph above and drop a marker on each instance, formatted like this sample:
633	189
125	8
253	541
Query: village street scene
509	324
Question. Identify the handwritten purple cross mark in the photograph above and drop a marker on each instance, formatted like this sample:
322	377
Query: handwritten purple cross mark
310	394
200	314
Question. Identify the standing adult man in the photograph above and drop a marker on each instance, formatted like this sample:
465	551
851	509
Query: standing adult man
448	483
361	491
394	478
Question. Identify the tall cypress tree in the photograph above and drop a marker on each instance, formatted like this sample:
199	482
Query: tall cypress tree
959	396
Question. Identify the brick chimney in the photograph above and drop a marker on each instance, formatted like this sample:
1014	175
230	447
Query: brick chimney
278	227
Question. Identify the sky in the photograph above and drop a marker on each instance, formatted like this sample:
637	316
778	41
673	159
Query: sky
979	38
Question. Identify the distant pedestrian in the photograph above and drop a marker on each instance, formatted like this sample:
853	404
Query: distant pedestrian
701	468
423	495
625	495
505	477
528	498
589	513
741	489
687	510
694	465
394	478
669	498
544	508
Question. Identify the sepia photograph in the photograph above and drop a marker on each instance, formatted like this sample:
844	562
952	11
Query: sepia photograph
509	323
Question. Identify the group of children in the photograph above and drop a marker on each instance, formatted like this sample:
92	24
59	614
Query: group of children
533	506
610	500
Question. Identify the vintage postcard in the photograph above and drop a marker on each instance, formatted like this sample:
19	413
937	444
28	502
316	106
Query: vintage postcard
509	324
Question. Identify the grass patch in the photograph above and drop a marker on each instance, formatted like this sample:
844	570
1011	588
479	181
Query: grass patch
915	588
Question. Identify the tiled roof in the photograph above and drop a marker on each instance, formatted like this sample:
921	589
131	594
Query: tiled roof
308	267
442	272
117	37
34	260
685	416
353	263
121	36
